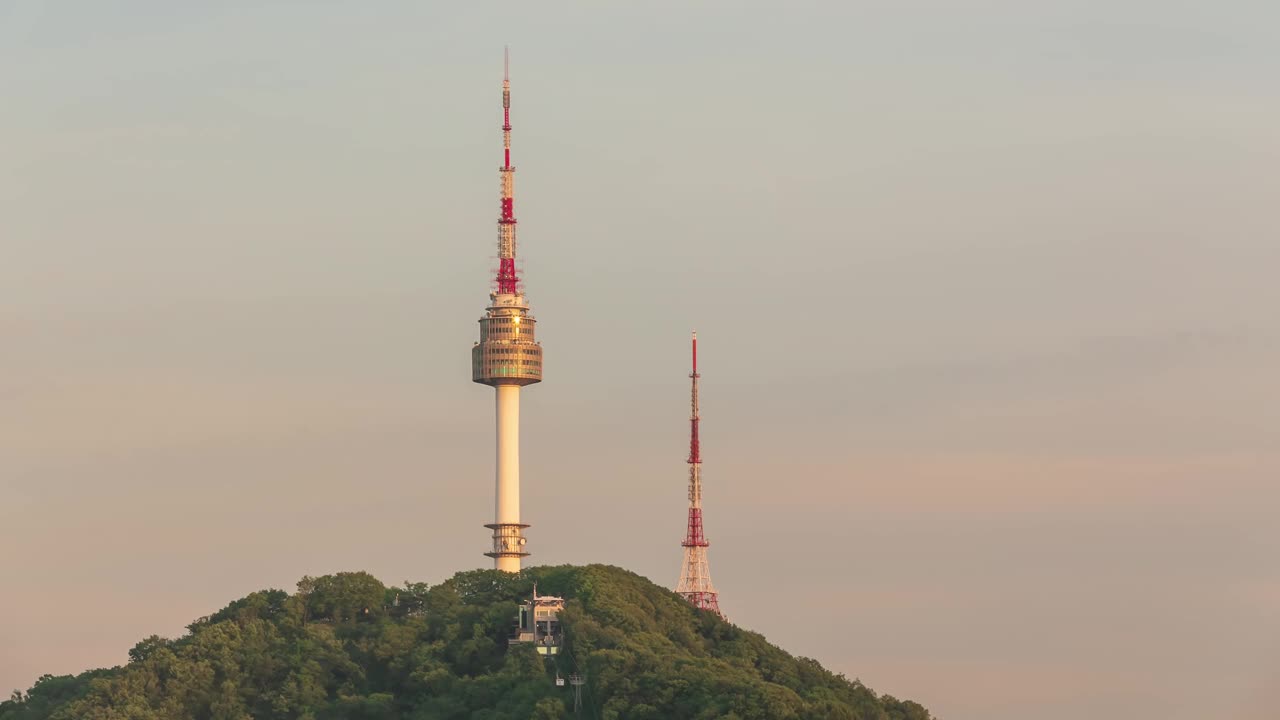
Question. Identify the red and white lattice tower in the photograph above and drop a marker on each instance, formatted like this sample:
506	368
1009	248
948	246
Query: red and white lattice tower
507	357
695	575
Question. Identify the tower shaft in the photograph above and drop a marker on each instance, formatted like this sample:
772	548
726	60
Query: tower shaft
695	573
508	357
507	457
508	546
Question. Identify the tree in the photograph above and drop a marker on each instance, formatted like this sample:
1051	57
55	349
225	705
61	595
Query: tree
346	596
342	648
548	709
144	649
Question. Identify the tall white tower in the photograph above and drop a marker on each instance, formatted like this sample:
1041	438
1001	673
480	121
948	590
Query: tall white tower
507	357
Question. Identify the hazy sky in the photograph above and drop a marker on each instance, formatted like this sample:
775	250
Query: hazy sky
987	294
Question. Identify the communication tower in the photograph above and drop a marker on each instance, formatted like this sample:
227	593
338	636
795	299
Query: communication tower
507	357
695	575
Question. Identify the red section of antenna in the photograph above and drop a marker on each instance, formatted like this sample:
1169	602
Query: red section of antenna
704	601
694	537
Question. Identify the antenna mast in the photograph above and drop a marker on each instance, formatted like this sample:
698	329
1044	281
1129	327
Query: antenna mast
507	280
695	574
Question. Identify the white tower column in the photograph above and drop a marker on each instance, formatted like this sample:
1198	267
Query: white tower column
507	510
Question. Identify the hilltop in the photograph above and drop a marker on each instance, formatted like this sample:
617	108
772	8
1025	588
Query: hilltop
346	646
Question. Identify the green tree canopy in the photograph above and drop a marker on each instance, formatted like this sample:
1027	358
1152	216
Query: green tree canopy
346	646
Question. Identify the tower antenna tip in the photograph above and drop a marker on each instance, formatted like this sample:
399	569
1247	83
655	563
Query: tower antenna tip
506	62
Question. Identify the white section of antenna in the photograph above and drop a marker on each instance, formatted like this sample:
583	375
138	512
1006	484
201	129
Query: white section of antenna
695	578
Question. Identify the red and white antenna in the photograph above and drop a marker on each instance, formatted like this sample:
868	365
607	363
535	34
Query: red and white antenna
695	574
507	280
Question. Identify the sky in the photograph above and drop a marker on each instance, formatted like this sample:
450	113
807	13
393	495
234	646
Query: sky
986	295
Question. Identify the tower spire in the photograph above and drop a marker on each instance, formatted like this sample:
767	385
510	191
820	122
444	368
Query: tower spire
507	281
695	574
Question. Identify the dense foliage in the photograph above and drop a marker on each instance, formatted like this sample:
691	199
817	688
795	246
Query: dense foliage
345	646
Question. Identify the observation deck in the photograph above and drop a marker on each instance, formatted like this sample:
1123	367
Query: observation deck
508	352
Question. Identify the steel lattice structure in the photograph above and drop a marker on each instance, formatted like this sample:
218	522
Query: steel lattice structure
695	574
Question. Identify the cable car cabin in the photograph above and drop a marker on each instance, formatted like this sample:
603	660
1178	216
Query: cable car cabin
540	623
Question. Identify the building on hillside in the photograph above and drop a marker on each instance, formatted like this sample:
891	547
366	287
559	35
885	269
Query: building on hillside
540	623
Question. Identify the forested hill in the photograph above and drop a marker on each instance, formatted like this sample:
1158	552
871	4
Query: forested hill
346	646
